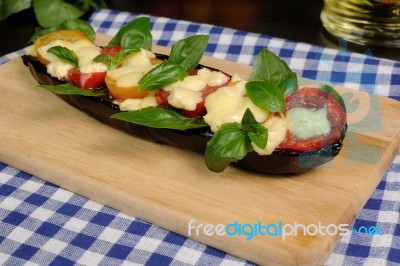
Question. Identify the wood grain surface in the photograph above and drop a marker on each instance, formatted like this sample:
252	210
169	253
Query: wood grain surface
44	136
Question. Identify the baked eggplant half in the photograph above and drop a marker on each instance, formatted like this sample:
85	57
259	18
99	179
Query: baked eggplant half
265	124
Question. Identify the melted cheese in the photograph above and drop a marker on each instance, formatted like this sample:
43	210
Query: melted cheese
132	70
187	93
85	51
184	98
30	50
212	78
85	56
140	59
305	123
228	104
193	83
277	128
136	104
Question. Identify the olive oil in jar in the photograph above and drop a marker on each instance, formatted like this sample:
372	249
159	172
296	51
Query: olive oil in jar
365	22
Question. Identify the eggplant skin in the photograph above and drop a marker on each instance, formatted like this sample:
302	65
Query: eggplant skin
279	162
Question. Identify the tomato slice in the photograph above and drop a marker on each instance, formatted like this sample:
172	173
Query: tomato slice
71	36
86	81
111	50
199	111
162	98
122	93
315	98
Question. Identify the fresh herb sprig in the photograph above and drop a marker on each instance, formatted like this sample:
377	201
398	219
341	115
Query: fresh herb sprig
185	55
70	89
269	67
65	55
160	117
135	34
112	61
189	51
232	142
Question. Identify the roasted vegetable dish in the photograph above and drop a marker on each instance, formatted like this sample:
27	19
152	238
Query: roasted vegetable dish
266	123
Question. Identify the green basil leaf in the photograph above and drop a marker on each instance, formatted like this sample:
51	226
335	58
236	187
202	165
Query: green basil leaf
161	76
79	25
335	95
113	61
9	7
291	83
135	34
64	54
269	67
52	13
266	95
188	52
229	144
160	117
257	133
68	89
101	58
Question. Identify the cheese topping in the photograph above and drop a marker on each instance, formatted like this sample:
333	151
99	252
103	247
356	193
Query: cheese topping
228	104
136	104
187	93
31	50
184	98
212	78
85	56
305	123
140	59
193	83
277	128
132	69
85	51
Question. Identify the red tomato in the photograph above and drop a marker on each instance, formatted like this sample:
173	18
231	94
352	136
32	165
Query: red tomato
199	111
112	50
86	81
315	98
162	98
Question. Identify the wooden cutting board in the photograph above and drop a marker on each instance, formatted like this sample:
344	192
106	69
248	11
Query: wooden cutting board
46	137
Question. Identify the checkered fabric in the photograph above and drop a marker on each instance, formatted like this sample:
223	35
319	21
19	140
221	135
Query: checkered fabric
42	224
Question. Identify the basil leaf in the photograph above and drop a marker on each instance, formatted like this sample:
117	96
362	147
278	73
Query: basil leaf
9	7
68	88
188	52
269	67
291	83
79	25
160	117
266	95
135	34
335	95
64	54
161	76
101	58
52	13
229	144
113	61
257	133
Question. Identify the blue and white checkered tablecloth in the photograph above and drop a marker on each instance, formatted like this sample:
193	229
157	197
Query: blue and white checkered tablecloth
42	224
